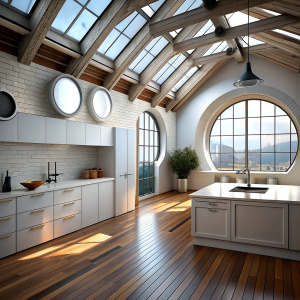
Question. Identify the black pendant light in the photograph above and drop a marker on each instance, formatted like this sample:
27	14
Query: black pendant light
248	78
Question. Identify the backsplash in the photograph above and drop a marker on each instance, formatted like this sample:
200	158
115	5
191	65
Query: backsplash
30	161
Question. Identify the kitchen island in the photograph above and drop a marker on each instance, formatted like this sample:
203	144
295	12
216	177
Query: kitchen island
263	223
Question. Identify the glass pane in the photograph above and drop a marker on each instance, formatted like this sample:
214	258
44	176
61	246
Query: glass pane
253	143
181	58
156	139
146	171
283	143
141	154
267	109
215	144
146	137
146	121
294	142
159	46
135	26
254	126
239	161
122	25
283	124
279	111
226	144
141	190
267	125
138	59
166	75
151	185
146	186
156	152
227	127
216	128
23	5
143	63
146	154
226	161
253	108
282	161
267	162
109	41
239	126
267	143
240	110
140	171
151	169
293	156
151	149
151	138
141	137
117	47
228	113
102	104
141	121
216	160
293	129
254	161
239	144
97	6
151	123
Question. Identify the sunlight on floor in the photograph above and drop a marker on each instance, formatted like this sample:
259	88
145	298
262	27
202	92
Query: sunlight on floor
181	207
40	253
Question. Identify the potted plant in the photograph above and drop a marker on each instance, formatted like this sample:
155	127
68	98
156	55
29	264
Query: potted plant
183	162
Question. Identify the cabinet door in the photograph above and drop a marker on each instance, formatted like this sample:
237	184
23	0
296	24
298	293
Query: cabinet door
131	169
67	225
107	136
8	207
75	133
106	200
259	223
294	227
56	131
121	171
9	130
92	135
89	205
211	222
31	128
7	244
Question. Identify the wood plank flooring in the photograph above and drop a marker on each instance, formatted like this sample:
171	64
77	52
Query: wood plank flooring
145	254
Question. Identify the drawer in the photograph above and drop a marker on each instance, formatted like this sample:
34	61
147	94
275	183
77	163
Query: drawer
35	235
34	217
7	207
8	224
67	195
212	203
7	244
67	225
35	201
67	209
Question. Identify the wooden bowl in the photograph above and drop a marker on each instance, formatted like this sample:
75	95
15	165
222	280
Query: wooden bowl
32	185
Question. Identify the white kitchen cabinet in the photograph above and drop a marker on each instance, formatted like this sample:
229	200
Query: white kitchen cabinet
9	130
294	227
106	200
7	244
31	128
67	209
67	195
92	135
75	133
7	207
90	204
67	225
107	136
260	223
8	224
211	219
56	131
34	201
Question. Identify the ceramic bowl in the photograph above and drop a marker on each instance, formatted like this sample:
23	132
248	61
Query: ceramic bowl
32	185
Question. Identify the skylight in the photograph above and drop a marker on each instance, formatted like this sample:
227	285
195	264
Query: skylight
184	79
252	41
121	35
295	36
238	18
271	12
76	17
152	8
216	48
23	5
207	28
148	54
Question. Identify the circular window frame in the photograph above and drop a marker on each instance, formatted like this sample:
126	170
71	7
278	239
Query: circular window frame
11	96
90	103
52	98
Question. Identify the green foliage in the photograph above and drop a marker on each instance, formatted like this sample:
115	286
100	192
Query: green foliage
184	161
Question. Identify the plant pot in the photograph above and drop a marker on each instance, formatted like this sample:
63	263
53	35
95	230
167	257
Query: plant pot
182	185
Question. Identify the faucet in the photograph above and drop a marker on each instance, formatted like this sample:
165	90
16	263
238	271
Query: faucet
49	179
244	172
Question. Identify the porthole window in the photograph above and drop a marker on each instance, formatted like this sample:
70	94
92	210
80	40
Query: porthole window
8	105
65	95
255	134
100	103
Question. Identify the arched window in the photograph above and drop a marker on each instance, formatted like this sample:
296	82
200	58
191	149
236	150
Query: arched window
148	152
255	134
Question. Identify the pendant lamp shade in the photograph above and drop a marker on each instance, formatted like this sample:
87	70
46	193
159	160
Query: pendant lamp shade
248	78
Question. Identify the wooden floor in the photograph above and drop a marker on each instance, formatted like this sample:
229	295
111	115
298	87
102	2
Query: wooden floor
145	254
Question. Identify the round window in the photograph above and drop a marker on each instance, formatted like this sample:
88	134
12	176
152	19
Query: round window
65	95
100	103
8	107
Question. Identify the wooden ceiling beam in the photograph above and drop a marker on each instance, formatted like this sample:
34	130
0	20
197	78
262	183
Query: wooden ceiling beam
117	11
40	23
200	14
255	27
283	7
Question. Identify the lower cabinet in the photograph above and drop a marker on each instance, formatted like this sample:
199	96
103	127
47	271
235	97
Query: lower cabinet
294	227
67	225
8	244
106	200
89	205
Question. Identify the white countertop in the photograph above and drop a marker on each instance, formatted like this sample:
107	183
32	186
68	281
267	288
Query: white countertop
276	193
48	187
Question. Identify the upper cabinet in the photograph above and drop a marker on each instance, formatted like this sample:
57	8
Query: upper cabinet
107	136
9	130
75	133
92	135
56	131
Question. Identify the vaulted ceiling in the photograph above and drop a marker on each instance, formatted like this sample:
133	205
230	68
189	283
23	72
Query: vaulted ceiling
156	51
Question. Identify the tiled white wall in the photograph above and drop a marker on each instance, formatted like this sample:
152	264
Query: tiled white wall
29	85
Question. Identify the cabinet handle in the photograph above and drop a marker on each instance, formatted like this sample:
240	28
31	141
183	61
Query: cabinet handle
4	237
69	191
5	219
71	203
70	217
37	211
37	195
213	210
213	204
40	226
3	201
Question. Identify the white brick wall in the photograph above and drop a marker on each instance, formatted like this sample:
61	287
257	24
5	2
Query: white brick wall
29	85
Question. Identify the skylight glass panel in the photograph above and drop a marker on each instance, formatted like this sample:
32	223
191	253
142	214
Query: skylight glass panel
207	28
152	8
121	35
188	5
185	78
252	41
23	5
295	36
216	48
97	6
271	12
238	18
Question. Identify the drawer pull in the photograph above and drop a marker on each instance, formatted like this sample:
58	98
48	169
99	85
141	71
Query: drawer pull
5	219
213	204
70	217
213	210
66	191
71	203
40	226
4	201
37	195
4	237
37	211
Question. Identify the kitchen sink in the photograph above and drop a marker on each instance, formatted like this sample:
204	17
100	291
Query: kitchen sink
247	189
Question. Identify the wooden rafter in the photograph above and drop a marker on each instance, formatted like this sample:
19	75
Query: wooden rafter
200	14
40	22
255	27
283	7
116	12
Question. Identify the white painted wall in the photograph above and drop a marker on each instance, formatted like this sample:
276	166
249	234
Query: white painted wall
190	113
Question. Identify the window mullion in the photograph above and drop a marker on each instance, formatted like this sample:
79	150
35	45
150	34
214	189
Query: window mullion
246	137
